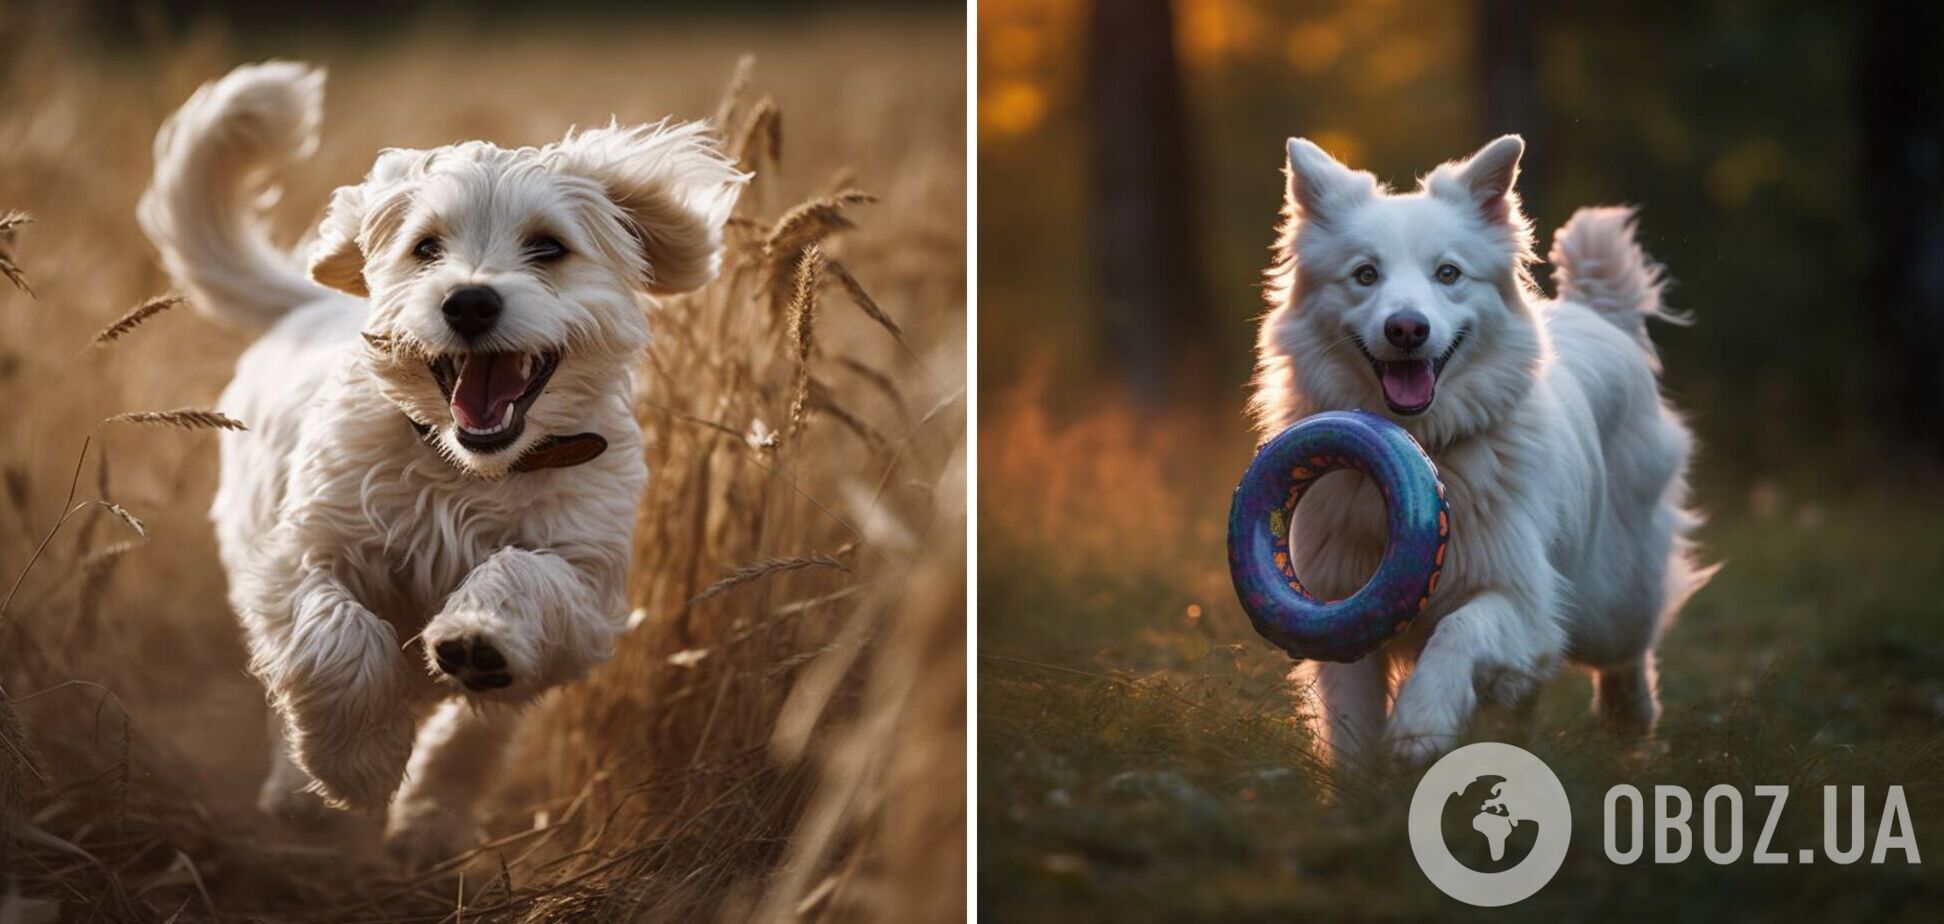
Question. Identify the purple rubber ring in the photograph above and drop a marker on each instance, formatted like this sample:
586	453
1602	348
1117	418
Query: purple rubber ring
1259	527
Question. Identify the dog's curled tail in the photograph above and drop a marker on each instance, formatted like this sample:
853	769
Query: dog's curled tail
213	160
1597	263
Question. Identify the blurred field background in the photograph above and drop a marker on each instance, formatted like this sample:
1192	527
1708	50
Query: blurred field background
1141	755
782	734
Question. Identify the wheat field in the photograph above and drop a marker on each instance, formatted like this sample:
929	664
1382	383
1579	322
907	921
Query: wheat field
781	734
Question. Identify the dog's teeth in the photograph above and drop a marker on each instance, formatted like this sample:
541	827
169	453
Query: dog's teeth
526	366
505	423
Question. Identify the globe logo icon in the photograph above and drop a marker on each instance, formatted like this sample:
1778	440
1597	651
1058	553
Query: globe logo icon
1485	829
1490	824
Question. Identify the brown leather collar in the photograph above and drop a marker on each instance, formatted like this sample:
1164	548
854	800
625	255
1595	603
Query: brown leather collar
552	452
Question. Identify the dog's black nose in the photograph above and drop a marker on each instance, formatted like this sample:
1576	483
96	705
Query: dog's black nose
1407	330
472	310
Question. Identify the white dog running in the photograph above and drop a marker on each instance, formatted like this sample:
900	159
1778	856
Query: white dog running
1565	469
441	508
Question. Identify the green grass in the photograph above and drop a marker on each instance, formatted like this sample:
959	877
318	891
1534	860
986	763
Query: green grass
1137	764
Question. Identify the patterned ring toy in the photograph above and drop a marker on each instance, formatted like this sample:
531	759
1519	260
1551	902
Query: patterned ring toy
1259	527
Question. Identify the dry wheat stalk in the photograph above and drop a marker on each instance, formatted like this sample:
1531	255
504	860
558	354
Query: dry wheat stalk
20	767
760	143
732	96
879	380
137	315
740	234
108	554
121	513
825	401
765	568
812	221
863	299
13	273
10	224
97	570
803	333
840	179
70	508
15	478
188	418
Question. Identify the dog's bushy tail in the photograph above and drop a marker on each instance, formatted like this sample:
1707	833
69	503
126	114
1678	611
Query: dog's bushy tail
203	209
1597	263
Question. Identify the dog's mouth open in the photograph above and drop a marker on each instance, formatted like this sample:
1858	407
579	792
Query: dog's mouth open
489	393
1410	385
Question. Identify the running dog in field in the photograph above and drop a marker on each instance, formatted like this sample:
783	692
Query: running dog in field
429	520
1565	469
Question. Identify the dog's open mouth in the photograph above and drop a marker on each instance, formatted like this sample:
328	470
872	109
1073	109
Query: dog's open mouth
489	393
1410	385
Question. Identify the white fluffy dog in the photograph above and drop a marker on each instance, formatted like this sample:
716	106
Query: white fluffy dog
429	520
1564	468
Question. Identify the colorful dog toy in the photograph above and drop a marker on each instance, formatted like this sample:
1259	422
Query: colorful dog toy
1259	528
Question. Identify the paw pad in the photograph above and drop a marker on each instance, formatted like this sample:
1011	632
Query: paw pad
473	662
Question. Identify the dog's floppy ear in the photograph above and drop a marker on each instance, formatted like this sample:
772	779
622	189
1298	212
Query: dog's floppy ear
674	189
1486	179
1320	186
337	258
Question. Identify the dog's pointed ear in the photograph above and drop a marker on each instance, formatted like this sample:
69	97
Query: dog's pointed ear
1320	186
1486	179
337	257
674	189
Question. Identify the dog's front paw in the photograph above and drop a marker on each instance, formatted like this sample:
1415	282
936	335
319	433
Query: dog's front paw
1432	711
474	662
477	651
1414	750
362	772
1423	729
1426	722
423	836
340	686
293	805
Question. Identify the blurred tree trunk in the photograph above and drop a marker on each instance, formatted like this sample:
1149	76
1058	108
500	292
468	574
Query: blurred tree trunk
1902	113
1508	76
1157	329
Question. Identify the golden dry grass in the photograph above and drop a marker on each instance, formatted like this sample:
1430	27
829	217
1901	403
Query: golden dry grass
782	733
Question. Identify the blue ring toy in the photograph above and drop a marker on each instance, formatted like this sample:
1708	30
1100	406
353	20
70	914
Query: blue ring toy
1259	526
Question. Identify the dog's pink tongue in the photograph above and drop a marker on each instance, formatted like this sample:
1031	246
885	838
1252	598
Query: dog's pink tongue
487	385
1409	384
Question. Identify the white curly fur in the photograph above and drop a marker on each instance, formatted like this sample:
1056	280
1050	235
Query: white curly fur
1564	468
353	547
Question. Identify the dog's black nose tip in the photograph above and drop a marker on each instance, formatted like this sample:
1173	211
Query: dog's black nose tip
472	310
1407	330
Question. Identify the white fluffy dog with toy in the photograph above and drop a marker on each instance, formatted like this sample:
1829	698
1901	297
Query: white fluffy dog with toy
1564	467
429	520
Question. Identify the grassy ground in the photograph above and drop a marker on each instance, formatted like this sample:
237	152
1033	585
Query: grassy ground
782	733
1142	757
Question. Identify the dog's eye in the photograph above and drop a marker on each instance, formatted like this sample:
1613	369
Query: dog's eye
428	250
1448	274
1366	275
545	248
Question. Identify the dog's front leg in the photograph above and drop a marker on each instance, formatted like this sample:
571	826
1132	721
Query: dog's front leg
453	764
340	681
1485	642
524	621
1349	701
